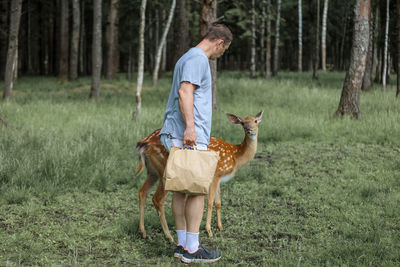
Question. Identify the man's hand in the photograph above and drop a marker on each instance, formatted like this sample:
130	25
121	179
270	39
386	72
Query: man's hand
189	137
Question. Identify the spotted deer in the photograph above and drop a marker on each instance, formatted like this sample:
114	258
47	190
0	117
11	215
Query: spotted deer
154	156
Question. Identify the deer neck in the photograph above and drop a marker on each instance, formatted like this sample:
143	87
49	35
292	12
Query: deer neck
247	150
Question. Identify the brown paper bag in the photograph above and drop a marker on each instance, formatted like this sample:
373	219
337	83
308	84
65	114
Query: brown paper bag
190	171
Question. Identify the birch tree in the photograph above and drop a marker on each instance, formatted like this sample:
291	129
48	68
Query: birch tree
76	20
141	59
262	38
276	48
96	51
162	43
385	52
300	56
323	35
253	41
366	84
350	98
12	53
112	41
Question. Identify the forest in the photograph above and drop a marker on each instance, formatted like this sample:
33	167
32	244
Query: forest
84	81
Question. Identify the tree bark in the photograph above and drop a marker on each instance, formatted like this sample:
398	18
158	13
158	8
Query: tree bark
3	37
316	52
253	41
208	16
262	40
300	56
385	53
350	99
96	51
162	42
112	41
276	48
268	54
82	42
398	49
323	37
64	42
76	20
181	31
366	84
141	59
12	53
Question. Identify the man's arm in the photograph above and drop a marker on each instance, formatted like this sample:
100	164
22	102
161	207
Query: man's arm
186	105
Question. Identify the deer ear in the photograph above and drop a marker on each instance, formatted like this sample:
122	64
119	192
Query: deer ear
234	119
259	116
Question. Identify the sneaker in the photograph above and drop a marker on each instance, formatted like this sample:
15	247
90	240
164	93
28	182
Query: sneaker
179	250
202	254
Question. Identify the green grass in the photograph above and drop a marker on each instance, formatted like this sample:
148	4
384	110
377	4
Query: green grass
319	192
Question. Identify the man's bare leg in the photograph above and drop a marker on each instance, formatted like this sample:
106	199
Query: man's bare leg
194	213
178	210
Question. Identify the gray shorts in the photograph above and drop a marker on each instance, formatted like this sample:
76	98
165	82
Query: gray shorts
168	142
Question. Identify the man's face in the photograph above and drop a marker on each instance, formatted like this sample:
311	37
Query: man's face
219	49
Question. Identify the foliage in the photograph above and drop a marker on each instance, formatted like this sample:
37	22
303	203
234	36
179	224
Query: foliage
319	192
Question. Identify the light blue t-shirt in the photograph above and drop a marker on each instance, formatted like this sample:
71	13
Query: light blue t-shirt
192	67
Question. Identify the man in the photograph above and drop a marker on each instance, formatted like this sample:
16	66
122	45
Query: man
187	122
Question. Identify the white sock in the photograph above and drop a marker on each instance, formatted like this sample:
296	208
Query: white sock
192	242
181	237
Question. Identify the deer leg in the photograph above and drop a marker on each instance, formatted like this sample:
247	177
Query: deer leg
218	208
210	201
158	201
144	191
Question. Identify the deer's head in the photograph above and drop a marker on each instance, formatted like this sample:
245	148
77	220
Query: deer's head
250	124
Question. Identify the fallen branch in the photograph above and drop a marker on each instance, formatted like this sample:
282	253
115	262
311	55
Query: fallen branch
4	122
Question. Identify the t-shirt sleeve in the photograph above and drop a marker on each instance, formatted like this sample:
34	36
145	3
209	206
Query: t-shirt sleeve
193	70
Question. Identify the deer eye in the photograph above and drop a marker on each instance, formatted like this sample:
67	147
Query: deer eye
255	121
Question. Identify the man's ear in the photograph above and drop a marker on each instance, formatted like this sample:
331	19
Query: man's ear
234	119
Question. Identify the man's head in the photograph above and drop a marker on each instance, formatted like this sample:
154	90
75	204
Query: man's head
220	38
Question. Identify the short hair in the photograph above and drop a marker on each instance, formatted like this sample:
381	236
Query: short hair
218	31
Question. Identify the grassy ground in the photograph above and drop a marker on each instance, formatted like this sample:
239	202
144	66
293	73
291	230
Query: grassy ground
319	192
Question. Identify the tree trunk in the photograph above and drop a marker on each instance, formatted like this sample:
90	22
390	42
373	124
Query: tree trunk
181	31
76	20
316	52
141	59
300	57
366	84
3	37
385	57
162	42
82	42
253	41
12	53
341	65
398	49
268	56
350	99
323	37
64	41
262	40
96	51
112	41
208	16
276	48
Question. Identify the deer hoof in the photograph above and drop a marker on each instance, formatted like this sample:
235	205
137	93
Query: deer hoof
143	233
220	227
170	239
209	232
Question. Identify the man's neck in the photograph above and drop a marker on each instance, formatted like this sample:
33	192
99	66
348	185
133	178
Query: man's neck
205	45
